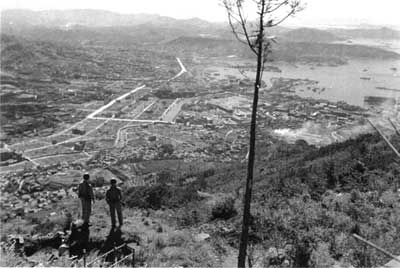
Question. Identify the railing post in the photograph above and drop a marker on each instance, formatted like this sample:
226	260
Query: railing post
114	255
394	126
106	254
84	257
384	138
133	258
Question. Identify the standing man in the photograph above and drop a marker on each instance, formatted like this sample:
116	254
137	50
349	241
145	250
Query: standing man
85	193
113	198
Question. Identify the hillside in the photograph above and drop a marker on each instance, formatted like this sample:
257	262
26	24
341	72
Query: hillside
206	46
293	51
378	33
309	199
309	35
285	51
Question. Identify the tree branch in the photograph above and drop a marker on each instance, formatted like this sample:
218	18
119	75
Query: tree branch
243	24
283	19
278	6
236	32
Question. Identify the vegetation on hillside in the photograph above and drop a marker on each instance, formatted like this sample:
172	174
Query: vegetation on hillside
308	201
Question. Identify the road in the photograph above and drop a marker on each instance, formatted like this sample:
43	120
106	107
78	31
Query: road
172	111
102	108
121	132
114	101
183	70
145	109
98	111
161	119
71	139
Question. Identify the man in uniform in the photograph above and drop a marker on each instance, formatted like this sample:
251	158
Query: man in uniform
113	198
85	193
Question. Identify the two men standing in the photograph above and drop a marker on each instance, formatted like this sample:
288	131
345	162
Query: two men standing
113	198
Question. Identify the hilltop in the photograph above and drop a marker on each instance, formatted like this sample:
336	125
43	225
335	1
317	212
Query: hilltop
309	35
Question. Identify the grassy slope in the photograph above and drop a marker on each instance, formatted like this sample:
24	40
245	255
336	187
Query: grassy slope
309	198
314	198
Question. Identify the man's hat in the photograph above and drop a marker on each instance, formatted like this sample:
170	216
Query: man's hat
113	181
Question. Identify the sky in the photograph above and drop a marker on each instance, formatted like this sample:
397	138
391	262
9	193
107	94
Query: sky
317	12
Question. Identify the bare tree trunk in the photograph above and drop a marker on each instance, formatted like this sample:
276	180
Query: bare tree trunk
244	237
245	33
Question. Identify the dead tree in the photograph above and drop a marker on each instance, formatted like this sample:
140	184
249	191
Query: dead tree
268	13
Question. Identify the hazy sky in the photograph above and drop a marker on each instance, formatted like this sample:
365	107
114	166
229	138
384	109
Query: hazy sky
317	12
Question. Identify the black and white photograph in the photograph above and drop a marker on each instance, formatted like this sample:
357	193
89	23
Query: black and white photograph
200	133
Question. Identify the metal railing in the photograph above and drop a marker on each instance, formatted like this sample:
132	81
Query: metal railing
125	258
376	247
116	262
384	138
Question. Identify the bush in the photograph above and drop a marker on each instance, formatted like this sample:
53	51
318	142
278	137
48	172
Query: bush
166	149
158	243
178	239
207	173
44	227
188	217
158	196
224	209
164	177
320	256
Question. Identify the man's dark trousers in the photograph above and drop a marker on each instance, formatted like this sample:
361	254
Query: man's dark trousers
86	209
115	206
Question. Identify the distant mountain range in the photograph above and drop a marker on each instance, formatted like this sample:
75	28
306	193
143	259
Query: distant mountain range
67	19
82	26
91	18
98	27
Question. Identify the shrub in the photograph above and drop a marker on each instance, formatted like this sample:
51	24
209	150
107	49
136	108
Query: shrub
158	195
224	209
320	256
166	149
164	177
178	239
188	217
208	173
44	227
158	243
